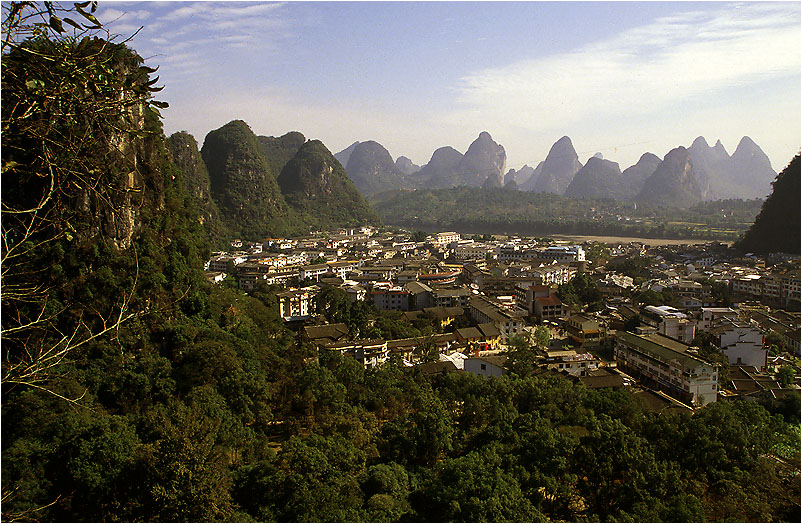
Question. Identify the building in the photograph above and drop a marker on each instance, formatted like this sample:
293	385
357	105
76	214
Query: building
668	321
451	297
563	254
445	237
741	341
393	299
507	322
667	364
296	304
489	366
313	271
569	361
369	353
711	314
585	331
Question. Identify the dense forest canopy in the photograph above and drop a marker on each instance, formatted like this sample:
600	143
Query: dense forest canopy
132	390
778	226
508	211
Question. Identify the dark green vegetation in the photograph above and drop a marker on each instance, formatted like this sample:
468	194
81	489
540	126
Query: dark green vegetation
280	150
268	187
777	227
316	186
505	211
134	391
187	158
245	189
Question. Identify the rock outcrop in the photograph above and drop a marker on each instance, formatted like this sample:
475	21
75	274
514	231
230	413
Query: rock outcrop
317	187
483	163
371	168
634	176
559	168
406	166
242	184
673	183
597	179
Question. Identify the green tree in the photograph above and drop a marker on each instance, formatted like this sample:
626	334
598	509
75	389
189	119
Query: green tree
475	488
786	376
542	337
67	95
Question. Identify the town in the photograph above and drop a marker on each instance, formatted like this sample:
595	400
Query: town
678	325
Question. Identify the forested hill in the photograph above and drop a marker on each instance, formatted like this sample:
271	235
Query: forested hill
133	390
267	186
777	228
500	211
314	183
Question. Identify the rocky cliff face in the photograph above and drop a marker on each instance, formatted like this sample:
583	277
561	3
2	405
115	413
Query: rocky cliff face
371	168
709	164
483	163
634	176
528	183
750	174
745	174
441	168
345	155
673	183
406	166
559	168
598	178
184	153
520	176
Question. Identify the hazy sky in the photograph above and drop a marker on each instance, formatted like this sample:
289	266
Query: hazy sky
620	78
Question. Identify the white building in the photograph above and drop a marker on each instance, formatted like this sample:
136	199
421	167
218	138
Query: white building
296	304
668	321
741	341
445	237
668	365
563	254
489	366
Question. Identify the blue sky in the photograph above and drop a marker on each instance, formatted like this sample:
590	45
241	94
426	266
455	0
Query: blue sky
620	78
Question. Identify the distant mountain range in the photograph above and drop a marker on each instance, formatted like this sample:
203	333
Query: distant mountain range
260	186
682	178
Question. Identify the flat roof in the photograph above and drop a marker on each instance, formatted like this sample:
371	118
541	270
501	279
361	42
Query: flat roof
664	348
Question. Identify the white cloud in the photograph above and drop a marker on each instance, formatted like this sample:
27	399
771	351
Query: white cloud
639	72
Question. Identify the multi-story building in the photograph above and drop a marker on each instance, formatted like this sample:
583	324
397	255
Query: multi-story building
563	254
224	263
667	364
573	363
790	289
508	322
369	353
296	304
446	237
248	279
711	314
668	321
451	297
585	331
395	299
741	341
313	271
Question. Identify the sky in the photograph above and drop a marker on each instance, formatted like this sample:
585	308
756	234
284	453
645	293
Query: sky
619	78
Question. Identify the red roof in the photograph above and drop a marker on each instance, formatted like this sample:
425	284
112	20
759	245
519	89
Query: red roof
548	301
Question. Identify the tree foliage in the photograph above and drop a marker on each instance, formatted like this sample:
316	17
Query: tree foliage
202	406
